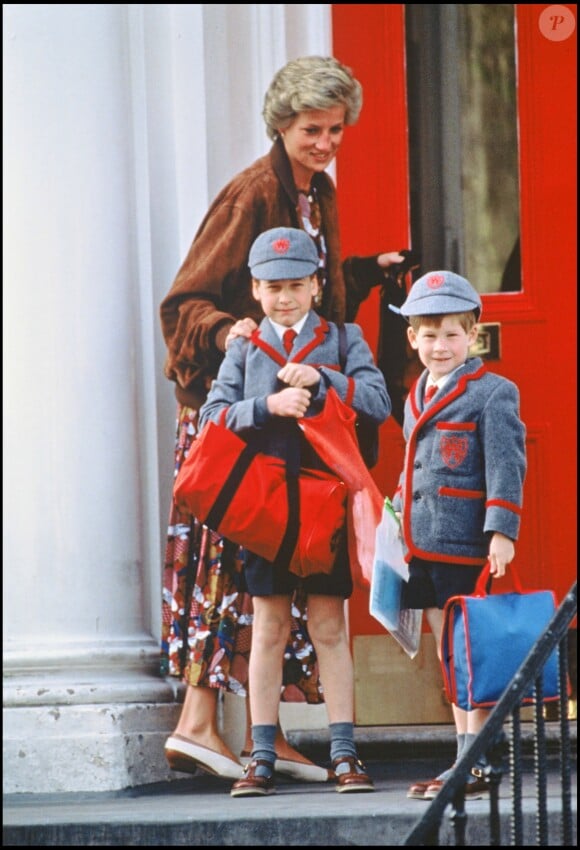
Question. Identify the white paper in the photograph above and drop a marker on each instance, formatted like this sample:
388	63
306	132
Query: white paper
390	570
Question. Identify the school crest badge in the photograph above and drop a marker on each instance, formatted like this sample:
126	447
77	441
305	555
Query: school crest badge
453	450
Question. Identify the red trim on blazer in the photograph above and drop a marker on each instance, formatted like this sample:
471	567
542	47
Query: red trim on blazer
414	406
319	333
467	494
267	349
456	426
349	392
423	416
415	552
502	503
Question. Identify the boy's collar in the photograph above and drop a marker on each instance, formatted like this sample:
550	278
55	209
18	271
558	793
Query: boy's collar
440	382
280	329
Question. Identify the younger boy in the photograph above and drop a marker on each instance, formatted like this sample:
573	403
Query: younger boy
460	492
281	374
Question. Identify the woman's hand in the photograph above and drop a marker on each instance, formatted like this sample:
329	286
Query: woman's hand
396	264
391	258
243	327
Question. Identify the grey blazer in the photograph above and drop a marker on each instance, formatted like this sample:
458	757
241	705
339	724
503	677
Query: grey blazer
464	466
248	374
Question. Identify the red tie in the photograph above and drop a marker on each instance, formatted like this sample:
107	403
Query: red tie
288	339
430	392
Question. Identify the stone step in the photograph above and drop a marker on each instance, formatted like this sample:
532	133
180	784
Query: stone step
198	810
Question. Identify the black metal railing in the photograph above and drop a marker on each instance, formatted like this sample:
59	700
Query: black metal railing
490	742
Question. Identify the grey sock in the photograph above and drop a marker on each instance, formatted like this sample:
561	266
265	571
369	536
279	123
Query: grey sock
460	746
469	739
481	761
342	740
263	737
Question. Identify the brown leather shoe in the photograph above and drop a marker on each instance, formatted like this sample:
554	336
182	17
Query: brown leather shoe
476	790
251	785
416	791
353	779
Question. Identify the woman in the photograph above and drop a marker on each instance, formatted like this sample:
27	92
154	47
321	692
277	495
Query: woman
206	619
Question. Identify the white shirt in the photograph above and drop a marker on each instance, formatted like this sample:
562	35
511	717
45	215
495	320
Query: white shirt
441	381
281	329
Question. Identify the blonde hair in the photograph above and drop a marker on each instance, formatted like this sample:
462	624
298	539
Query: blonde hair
467	320
311	82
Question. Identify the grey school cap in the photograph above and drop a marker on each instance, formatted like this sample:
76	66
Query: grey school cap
440	293
283	253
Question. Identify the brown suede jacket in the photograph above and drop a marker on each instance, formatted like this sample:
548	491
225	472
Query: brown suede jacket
212	289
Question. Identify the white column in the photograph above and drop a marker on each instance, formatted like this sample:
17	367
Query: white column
120	124
82	534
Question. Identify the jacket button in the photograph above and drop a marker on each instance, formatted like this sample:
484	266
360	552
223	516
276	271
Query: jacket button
417	465
417	497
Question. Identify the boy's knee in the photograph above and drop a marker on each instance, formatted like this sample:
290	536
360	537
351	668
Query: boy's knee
329	631
270	631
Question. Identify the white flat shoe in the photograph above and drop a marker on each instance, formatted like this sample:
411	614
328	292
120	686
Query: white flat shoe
185	756
303	772
297	770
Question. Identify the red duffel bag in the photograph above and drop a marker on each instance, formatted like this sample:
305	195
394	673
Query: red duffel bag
332	434
254	500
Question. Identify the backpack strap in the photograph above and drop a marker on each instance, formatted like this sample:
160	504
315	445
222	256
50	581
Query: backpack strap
342	347
366	430
342	363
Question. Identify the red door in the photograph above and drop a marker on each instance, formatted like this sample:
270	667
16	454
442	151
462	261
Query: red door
538	324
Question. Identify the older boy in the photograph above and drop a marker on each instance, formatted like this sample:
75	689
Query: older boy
460	492
281	374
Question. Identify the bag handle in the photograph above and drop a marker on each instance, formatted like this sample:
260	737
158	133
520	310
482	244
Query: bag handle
483	585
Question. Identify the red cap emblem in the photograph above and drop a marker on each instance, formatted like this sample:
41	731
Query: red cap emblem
281	246
434	281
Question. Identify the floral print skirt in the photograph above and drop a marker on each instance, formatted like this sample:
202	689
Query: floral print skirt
206	618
